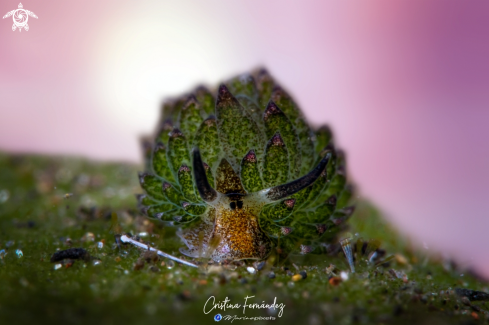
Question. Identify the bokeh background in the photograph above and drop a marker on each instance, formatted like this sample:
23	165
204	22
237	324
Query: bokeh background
404	85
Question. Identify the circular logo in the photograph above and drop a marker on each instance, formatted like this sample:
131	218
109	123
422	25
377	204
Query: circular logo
20	17
218	317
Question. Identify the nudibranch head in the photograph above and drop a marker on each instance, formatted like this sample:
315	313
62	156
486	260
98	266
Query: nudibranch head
243	173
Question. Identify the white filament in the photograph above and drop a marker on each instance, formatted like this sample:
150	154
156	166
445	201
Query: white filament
127	240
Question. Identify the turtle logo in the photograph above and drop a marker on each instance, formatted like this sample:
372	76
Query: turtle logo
20	16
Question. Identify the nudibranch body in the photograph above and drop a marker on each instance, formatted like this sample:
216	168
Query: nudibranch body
242	173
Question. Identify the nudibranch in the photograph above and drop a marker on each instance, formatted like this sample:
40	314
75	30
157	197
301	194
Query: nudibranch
242	173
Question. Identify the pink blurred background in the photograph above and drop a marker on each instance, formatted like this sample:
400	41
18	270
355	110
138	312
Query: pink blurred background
404	85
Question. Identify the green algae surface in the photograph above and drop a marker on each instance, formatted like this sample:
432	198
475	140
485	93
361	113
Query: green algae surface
50	204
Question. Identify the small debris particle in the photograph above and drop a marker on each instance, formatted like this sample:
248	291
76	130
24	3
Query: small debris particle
472	295
259	266
9	244
68	195
138	265
71	253
215	269
68	262
118	241
330	270
97	262
475	315
271	275
372	257
4	195
170	264
305	249
251	269
466	301
118	259
19	253
143	234
303	274
400	259
58	266
289	273
89	236
100	245
203	282
155	269
296	277
335	280
398	274
150	256
344	275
